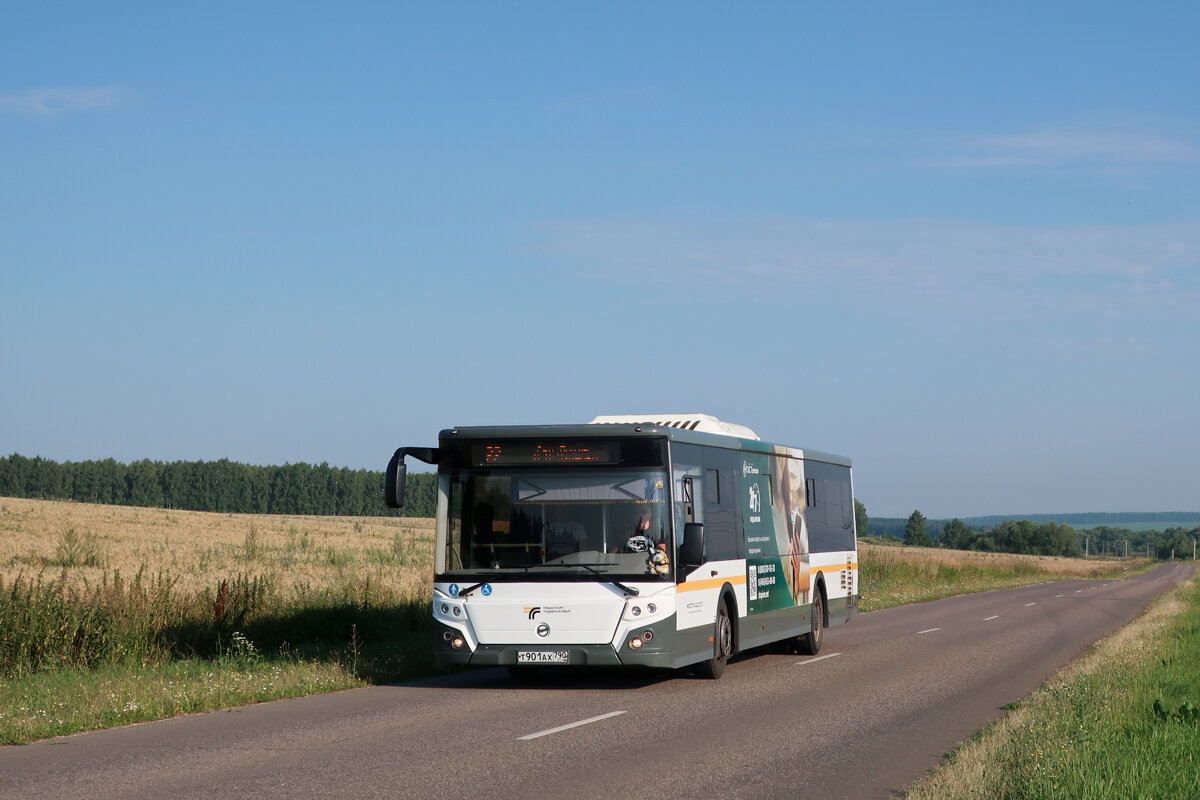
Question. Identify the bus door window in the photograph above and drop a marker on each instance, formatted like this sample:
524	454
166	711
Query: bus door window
687	477
723	538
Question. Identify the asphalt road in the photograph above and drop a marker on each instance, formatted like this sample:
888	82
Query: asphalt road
890	694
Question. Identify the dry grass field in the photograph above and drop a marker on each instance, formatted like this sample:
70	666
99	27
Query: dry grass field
1055	565
890	575
198	550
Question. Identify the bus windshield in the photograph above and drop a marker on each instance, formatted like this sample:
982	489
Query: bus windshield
612	523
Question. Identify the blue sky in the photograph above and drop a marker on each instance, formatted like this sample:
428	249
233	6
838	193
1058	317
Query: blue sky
958	244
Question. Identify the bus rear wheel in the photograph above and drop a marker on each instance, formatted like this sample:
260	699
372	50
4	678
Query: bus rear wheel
722	645
810	643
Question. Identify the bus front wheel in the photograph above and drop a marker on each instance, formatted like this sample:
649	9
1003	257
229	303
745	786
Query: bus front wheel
722	645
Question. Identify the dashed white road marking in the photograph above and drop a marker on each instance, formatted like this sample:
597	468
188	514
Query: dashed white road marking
568	726
989	619
930	630
1027	605
818	658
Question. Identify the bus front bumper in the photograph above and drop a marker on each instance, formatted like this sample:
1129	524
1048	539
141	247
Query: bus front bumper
658	654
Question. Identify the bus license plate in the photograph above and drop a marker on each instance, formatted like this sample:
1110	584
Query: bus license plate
543	657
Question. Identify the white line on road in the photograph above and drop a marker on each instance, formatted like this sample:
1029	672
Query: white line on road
989	619
818	658
1058	595
561	728
1077	591
930	630
1027	605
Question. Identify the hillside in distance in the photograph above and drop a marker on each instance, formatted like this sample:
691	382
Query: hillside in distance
1131	520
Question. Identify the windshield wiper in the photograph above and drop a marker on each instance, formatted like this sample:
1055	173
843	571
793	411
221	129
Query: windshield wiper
629	590
464	592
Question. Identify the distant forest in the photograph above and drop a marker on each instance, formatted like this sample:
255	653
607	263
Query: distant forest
1161	535
895	526
224	486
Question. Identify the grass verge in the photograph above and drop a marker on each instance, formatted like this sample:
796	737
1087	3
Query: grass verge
68	701
76	658
1120	722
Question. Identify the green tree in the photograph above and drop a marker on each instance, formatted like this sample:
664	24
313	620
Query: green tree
915	532
144	487
13	472
861	521
955	534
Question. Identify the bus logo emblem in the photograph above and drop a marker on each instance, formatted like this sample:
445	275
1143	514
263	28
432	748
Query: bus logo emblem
533	611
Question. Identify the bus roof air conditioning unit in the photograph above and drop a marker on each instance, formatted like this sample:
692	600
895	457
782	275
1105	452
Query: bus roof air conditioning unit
705	423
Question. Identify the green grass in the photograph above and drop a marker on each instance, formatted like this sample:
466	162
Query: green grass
890	584
1124	724
126	650
68	701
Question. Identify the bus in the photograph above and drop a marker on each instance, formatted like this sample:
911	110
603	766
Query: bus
665	542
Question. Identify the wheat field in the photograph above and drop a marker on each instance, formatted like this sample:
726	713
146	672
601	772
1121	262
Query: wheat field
85	543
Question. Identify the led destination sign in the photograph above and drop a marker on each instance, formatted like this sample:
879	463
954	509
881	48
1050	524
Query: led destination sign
559	452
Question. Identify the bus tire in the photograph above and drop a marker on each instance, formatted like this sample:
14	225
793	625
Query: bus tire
810	643
722	645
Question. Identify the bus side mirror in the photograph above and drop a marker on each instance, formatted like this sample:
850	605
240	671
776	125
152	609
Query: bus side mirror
393	486
691	554
393	482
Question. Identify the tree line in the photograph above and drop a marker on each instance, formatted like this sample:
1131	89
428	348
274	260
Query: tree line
1048	538
223	486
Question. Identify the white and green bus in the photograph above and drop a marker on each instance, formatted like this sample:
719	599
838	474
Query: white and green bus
653	541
